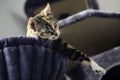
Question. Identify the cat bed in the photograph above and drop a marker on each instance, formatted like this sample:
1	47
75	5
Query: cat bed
28	58
110	60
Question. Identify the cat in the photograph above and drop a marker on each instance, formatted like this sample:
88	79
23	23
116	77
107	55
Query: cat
45	25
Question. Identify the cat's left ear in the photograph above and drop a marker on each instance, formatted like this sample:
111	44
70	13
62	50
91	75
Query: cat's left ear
31	23
47	10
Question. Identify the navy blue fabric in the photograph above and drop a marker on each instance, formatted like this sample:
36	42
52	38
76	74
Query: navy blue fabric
27	58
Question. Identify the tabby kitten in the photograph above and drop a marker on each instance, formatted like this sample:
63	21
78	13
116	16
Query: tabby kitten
45	26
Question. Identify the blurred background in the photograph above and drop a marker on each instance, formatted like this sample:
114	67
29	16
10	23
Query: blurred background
12	18
92	36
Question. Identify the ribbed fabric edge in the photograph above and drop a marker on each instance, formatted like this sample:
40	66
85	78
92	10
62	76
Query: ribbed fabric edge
23	40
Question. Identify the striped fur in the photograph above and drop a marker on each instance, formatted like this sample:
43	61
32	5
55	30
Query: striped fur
45	26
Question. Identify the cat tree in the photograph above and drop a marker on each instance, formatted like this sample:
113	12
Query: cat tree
20	57
110	60
87	14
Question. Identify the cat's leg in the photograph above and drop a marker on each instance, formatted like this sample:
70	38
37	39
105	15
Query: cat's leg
95	67
74	54
83	58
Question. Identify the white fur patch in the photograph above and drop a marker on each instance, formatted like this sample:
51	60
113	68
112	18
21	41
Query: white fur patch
67	77
98	69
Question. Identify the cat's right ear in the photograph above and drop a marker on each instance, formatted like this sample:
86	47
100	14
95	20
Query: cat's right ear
46	10
31	23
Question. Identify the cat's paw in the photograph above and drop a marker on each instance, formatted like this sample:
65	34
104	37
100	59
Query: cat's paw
97	69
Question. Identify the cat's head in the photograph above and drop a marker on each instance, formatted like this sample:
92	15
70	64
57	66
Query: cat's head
44	25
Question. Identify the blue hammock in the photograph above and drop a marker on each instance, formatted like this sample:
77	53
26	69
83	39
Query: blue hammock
26	58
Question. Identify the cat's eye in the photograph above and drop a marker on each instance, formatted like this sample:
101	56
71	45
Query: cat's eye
47	26
49	14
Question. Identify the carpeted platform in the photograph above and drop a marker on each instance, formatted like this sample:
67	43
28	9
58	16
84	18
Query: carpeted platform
110	60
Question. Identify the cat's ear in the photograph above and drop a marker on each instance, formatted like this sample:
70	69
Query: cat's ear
31	23
46	10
